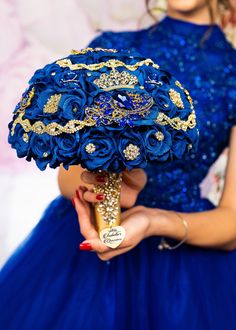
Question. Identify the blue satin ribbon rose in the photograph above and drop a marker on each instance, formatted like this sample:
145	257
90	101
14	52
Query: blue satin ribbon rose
104	146
157	143
125	140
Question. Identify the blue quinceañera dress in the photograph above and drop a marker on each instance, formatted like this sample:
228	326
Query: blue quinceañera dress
48	284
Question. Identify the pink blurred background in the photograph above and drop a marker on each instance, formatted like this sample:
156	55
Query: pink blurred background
33	33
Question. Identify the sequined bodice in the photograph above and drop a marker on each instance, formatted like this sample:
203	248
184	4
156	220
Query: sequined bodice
207	67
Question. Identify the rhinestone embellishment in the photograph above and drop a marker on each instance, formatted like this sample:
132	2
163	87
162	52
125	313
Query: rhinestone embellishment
90	148
159	136
131	152
116	80
25	138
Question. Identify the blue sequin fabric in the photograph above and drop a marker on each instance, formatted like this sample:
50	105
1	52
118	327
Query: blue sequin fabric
208	69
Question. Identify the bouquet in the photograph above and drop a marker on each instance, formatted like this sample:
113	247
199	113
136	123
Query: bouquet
106	110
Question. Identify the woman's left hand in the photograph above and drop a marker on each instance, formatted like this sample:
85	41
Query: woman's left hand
136	222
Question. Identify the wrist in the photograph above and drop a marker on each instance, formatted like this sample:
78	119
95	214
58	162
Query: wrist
165	223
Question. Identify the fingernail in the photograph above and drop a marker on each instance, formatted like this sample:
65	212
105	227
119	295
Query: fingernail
77	194
100	178
73	201
85	246
99	197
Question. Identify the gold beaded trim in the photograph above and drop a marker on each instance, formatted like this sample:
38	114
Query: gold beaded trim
89	49
64	63
176	98
176	122
73	125
177	83
51	129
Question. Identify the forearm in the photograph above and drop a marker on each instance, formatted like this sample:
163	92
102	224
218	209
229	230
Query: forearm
211	229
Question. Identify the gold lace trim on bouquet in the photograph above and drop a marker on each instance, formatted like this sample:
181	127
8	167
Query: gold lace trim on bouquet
64	63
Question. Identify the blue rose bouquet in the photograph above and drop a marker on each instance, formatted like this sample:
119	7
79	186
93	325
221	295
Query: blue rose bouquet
106	110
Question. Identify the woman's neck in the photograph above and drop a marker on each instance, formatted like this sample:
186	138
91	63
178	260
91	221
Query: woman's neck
199	16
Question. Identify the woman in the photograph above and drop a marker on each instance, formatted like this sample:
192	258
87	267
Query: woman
48	284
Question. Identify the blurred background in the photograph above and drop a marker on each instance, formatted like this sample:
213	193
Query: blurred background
34	33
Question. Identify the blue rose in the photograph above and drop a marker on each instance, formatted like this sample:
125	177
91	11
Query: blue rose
164	104
19	141
41	149
66	149
157	143
72	106
131	149
66	80
45	75
183	142
98	149
155	79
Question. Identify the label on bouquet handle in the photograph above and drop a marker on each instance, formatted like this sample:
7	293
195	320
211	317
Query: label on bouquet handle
112	237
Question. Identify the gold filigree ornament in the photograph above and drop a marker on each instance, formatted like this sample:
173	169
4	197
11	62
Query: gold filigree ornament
176	122
51	105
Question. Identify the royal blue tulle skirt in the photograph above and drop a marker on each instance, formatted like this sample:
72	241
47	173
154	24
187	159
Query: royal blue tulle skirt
48	284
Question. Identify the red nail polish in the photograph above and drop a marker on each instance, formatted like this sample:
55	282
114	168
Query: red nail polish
77	194
100	178
85	247
99	197
73	201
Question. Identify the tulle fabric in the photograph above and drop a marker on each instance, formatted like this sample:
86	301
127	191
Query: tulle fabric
49	284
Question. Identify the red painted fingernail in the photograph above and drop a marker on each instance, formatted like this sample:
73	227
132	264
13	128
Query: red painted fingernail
100	178
77	194
73	201
99	197
85	247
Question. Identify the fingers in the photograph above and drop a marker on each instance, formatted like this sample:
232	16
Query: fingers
92	197
114	253
83	210
93	178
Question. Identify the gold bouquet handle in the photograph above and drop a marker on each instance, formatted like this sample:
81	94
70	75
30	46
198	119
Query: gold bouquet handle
108	212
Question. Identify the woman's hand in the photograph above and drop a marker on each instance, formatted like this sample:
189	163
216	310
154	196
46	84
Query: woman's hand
132	183
136	222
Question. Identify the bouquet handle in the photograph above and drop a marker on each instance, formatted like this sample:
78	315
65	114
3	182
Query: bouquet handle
107	212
